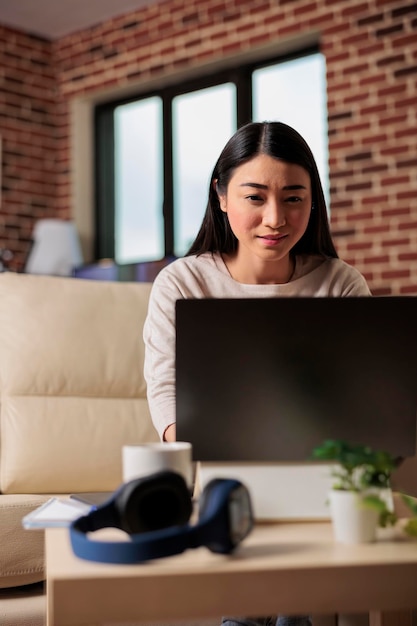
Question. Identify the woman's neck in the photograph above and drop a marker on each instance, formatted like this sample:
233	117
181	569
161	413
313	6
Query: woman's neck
260	272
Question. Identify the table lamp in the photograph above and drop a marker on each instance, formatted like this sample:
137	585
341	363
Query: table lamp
56	248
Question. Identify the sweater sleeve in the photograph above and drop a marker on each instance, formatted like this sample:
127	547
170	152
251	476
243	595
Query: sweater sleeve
355	285
159	338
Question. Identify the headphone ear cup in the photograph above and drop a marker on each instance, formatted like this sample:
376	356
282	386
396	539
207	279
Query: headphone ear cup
205	502
156	501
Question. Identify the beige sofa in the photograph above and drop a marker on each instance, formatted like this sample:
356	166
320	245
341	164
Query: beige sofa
72	393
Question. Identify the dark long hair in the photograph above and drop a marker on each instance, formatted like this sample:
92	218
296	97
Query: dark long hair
281	142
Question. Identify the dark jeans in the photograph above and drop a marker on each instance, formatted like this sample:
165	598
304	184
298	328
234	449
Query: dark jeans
280	620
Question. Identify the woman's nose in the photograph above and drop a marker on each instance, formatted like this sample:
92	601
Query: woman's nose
274	215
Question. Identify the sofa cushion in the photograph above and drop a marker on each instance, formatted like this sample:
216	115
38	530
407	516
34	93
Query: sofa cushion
71	382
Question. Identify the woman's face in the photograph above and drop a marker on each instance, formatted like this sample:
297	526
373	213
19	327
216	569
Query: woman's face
268	204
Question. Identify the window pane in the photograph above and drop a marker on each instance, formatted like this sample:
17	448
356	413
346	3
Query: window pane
139	234
202	123
294	92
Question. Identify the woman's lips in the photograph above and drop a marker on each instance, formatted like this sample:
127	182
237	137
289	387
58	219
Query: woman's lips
272	240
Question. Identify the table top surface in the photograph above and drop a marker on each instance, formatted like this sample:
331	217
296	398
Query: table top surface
270	546
279	568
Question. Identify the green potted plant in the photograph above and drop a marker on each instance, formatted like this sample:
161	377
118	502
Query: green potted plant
360	498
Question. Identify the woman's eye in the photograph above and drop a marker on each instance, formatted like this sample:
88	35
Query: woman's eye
254	198
294	199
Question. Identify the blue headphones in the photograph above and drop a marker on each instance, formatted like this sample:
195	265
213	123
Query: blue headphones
155	512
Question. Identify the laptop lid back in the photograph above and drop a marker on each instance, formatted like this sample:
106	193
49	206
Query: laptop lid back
267	380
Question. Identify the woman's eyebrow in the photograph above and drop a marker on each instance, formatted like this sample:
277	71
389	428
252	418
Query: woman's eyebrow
256	185
286	188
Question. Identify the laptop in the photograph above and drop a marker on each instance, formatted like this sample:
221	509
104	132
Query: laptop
264	381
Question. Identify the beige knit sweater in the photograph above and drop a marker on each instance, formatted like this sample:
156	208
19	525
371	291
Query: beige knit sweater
206	276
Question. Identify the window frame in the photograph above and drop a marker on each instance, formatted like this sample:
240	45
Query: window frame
104	142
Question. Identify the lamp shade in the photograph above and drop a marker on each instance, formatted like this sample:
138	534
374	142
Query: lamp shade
56	248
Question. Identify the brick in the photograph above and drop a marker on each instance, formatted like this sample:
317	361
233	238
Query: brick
406	71
358	245
355	9
342	144
375	200
393	274
355	39
409	131
395	212
408	9
407	225
391	60
376	230
359	186
381	291
409	289
392	120
404	41
406	102
345	173
358	156
389	30
373	18
374	109
342	115
410	194
359	217
347	232
407	163
376	260
342	204
305	8
371	48
395	242
336	29
395	180
361	128
394	150
374	168
321	21
355	97
407	256
392	90
337	57
356	69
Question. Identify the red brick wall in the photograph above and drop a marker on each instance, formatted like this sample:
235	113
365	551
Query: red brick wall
28	131
371	52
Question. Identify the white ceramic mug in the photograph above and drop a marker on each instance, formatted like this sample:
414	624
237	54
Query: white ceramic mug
148	458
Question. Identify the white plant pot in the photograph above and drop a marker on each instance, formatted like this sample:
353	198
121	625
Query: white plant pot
353	522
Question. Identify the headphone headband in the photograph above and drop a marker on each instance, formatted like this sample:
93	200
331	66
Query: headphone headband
155	510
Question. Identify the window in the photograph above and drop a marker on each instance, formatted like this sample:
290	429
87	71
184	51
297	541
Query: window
154	154
202	123
138	175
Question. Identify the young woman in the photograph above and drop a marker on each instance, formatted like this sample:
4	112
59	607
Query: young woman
265	233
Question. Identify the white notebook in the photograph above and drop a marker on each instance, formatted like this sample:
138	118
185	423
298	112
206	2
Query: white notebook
55	512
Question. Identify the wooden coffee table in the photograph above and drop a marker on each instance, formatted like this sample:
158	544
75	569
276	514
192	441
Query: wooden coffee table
281	568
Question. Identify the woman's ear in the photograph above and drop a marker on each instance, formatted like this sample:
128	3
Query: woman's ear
221	197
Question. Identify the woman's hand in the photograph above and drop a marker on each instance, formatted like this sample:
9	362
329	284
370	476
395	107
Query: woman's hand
170	433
